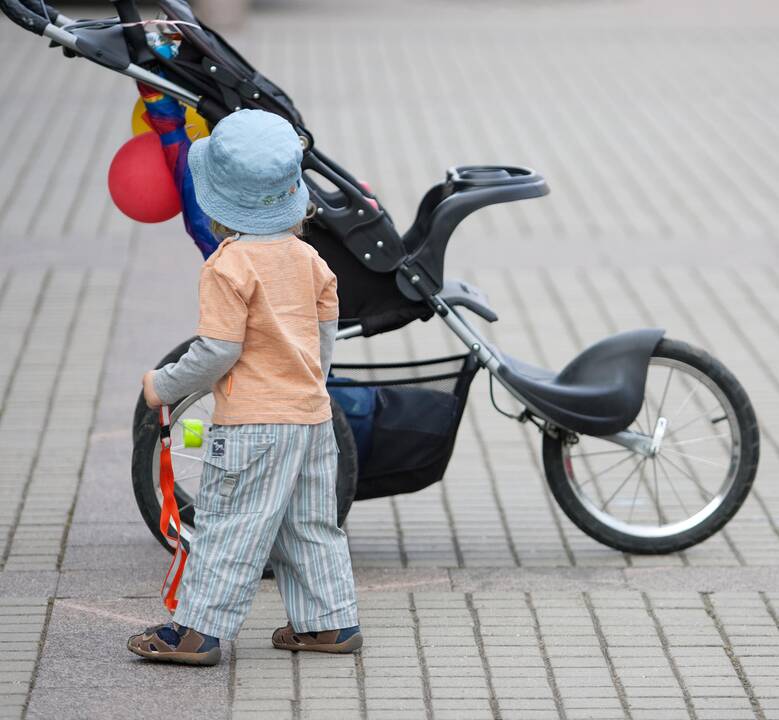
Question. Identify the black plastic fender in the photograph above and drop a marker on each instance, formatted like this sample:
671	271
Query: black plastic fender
600	392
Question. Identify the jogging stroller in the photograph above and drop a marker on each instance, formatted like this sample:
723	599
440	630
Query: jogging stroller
649	445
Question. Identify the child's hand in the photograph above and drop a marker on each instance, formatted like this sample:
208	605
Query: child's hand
149	393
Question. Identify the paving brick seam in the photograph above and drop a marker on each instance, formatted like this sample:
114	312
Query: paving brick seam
402	552
663	638
100	136
733	657
359	676
769	608
549	670
427	694
604	648
49	406
485	663
33	675
26	336
101	379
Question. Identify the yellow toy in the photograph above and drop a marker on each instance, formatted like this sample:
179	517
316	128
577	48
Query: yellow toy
193	432
195	125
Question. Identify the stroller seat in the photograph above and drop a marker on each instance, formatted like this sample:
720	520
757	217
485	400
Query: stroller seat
465	190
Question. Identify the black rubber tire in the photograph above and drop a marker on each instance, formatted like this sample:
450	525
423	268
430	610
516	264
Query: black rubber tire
146	432
745	475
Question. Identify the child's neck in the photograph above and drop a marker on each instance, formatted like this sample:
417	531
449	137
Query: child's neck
263	238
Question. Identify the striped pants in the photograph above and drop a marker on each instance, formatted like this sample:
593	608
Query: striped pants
268	490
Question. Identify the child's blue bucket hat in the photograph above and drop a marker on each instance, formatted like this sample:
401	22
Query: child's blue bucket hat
247	173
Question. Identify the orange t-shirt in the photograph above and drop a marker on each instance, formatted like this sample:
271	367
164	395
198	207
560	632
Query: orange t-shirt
270	296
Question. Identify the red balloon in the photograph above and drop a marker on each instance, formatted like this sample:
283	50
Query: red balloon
140	183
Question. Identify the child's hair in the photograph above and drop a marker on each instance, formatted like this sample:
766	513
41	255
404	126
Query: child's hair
222	231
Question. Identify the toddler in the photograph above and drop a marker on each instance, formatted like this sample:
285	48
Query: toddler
268	317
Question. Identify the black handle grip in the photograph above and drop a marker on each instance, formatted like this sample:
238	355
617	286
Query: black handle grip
23	16
47	12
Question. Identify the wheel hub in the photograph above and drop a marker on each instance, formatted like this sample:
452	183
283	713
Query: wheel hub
657	437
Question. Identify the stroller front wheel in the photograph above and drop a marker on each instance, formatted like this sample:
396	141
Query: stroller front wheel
696	480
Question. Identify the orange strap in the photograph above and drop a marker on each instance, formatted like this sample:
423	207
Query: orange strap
170	515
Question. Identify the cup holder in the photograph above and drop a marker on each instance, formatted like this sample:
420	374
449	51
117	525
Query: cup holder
473	176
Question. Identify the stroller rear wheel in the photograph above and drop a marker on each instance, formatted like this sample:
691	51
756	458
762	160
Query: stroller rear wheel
701	468
190	418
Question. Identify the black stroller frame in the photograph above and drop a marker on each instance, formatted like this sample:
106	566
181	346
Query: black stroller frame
387	280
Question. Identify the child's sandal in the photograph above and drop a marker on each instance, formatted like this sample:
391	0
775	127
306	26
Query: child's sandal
174	643
346	640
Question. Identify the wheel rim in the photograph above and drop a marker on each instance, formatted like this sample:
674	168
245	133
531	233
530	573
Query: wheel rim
689	477
187	462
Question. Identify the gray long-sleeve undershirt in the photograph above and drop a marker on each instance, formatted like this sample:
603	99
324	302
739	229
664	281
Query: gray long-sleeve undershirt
209	359
206	361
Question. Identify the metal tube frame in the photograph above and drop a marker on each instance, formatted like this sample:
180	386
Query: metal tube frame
637	442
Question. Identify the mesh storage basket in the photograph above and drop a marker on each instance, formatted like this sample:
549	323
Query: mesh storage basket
414	411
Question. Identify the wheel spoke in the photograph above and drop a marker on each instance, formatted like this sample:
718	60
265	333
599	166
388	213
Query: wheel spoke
665	392
646	410
600	452
673	487
193	431
635	493
191	476
197	458
706	494
675	431
695	457
687	400
698	439
657	491
199	404
623	483
594	476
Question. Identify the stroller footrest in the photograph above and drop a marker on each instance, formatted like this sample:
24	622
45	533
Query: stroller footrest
458	292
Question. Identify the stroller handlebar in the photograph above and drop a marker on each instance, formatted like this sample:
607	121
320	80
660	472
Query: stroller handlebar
22	13
41	8
42	19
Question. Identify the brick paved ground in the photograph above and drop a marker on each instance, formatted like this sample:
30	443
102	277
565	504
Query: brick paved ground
655	125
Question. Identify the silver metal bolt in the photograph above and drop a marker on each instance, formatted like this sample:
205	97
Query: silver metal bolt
303	142
476	347
360	212
415	279
237	108
380	243
320	211
256	95
367	256
212	69
439	308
